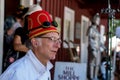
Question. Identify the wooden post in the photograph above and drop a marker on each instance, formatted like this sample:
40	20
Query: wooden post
1	31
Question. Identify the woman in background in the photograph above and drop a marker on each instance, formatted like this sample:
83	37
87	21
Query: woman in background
8	51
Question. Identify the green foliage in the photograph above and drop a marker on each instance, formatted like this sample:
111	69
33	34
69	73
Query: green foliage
113	24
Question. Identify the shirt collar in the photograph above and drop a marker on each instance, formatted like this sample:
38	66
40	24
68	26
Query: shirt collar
37	64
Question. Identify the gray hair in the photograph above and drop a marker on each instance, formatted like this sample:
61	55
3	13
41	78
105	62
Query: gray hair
28	43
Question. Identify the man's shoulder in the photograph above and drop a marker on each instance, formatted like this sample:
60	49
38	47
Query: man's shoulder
18	65
15	70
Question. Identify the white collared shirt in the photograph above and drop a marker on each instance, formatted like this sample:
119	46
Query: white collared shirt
27	68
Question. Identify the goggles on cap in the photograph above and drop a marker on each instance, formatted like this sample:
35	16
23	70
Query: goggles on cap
46	24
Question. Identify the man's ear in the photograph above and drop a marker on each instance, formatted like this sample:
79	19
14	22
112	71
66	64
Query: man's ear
34	42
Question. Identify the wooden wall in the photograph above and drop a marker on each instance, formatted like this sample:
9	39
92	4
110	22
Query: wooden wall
11	6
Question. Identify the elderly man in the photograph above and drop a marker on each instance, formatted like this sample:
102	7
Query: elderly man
44	42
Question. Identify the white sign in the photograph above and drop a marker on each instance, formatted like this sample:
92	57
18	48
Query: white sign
70	71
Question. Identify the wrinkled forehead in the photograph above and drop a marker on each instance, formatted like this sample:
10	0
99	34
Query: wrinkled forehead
52	34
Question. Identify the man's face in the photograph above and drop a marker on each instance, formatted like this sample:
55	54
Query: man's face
48	45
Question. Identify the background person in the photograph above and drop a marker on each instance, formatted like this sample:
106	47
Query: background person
21	33
8	50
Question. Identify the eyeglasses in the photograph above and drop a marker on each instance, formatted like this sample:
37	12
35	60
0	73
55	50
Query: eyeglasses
46	24
53	39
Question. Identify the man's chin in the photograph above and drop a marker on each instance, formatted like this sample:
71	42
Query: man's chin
53	57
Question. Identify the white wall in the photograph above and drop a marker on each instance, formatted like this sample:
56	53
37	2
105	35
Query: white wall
1	31
84	39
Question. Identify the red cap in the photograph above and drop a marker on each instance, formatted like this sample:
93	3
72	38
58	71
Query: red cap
35	20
